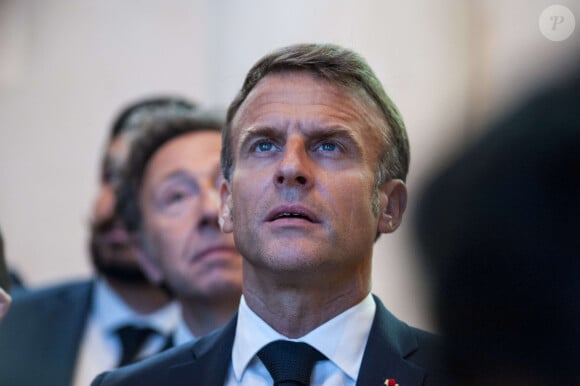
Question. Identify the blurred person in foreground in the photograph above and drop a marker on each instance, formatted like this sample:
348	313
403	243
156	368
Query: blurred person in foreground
169	198
499	230
314	156
66	334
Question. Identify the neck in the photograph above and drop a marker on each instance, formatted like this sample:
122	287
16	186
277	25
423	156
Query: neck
204	316
296	307
143	298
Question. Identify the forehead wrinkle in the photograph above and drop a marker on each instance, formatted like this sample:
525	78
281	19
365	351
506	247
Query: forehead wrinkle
255	130
359	109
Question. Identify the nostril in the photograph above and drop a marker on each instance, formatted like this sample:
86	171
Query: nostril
301	180
280	179
208	222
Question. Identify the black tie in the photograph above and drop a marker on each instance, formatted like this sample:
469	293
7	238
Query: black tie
290	363
132	340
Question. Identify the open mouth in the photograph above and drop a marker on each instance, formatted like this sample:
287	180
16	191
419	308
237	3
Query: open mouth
291	215
283	213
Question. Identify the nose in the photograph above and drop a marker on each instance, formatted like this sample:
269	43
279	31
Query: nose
294	169
208	220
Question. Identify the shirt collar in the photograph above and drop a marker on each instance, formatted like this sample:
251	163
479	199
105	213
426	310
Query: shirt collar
342	339
111	312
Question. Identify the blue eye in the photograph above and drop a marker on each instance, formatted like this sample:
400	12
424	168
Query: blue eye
328	146
264	146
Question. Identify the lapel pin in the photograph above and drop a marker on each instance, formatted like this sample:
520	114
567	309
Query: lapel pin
391	382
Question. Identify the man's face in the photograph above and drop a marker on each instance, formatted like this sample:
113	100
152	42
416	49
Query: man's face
113	252
179	200
300	195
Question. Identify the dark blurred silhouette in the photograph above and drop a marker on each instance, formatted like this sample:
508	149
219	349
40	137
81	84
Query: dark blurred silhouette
499	230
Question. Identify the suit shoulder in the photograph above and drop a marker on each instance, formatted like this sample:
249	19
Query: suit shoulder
427	342
418	348
44	326
53	291
428	356
40	300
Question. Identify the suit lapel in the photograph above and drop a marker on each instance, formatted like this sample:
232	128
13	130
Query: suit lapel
210	362
390	342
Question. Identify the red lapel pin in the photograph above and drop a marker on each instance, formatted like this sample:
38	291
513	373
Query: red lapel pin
391	382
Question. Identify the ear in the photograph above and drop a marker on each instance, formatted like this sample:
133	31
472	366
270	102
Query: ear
393	202
226	207
147	262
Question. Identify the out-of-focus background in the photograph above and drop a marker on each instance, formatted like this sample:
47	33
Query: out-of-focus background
67	66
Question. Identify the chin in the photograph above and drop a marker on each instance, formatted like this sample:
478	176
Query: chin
297	256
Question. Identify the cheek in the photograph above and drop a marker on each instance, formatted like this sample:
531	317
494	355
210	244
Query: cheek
351	200
169	252
249	192
160	238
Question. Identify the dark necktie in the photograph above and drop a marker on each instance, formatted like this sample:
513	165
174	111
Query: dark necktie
132	340
290	363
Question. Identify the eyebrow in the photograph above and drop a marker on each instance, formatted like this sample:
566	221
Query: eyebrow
332	132
183	175
323	132
257	131
176	175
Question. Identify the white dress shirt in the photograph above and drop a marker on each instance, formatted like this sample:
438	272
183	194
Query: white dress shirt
342	339
100	349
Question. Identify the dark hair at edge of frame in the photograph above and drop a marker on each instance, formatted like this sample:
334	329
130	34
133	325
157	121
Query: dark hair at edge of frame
150	104
154	136
340	66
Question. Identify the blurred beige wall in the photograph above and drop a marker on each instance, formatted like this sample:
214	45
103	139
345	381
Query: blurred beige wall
66	66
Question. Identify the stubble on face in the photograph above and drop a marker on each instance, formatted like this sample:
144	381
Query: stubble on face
114	259
111	248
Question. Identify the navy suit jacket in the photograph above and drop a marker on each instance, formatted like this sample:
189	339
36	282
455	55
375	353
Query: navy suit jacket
394	350
40	336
